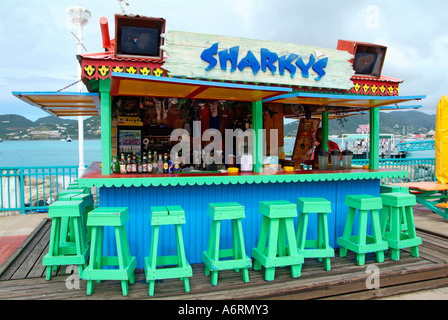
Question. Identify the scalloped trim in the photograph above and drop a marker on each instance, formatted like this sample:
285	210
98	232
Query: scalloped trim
249	179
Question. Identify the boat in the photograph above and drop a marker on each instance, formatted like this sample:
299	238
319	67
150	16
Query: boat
68	139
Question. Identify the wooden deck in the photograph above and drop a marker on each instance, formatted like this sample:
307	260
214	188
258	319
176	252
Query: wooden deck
22	276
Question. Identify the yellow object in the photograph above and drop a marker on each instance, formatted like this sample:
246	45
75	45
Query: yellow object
288	169
366	166
441	140
232	170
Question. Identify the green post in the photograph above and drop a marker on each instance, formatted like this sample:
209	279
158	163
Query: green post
374	152
257	125
106	118
325	130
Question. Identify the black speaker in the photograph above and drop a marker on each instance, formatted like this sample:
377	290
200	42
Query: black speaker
368	57
139	36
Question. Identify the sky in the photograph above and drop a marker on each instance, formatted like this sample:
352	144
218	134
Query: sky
38	49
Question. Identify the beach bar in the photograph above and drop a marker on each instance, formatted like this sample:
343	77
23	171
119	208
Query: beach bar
159	91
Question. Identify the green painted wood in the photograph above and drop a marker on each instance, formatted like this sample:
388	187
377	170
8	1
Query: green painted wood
363	243
278	209
391	188
399	235
174	266
108	216
220	212
363	202
398	199
225	211
68	237
125	263
257	125
320	247
106	126
325	125
183	180
313	205
277	245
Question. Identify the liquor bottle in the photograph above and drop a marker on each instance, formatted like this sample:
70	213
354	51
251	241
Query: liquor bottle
176	164
160	164
139	165
134	164
144	164
114	165
165	164
128	164
122	164
155	166
149	163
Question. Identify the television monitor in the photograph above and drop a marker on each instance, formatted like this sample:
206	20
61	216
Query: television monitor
139	36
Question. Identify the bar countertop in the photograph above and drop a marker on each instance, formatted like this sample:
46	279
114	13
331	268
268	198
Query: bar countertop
93	177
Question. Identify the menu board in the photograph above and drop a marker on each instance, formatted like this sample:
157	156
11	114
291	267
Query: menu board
305	139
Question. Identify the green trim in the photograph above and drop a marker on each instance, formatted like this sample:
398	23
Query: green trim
374	152
257	125
243	179
106	127
324	142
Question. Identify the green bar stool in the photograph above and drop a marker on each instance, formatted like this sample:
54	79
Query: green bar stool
394	188
174	266
88	205
219	212
388	188
272	251
363	243
125	263
320	247
395	206
65	250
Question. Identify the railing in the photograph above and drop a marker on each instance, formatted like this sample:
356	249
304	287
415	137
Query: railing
416	145
33	189
419	169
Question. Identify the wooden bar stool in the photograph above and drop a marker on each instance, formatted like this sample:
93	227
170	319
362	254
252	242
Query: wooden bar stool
390	189
219	212
88	205
272	251
116	218
64	249
320	247
363	243
398	236
178	264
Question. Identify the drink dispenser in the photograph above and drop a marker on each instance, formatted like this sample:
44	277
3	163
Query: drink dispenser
323	159
347	159
335	159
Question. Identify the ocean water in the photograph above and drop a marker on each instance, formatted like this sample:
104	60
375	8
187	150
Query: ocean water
62	153
47	153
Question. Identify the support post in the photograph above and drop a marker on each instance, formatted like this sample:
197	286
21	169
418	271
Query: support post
258	141
374	154
106	133
325	130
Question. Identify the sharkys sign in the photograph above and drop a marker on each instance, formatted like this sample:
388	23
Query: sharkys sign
214	57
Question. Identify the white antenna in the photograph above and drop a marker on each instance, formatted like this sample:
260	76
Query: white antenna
121	5
80	17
